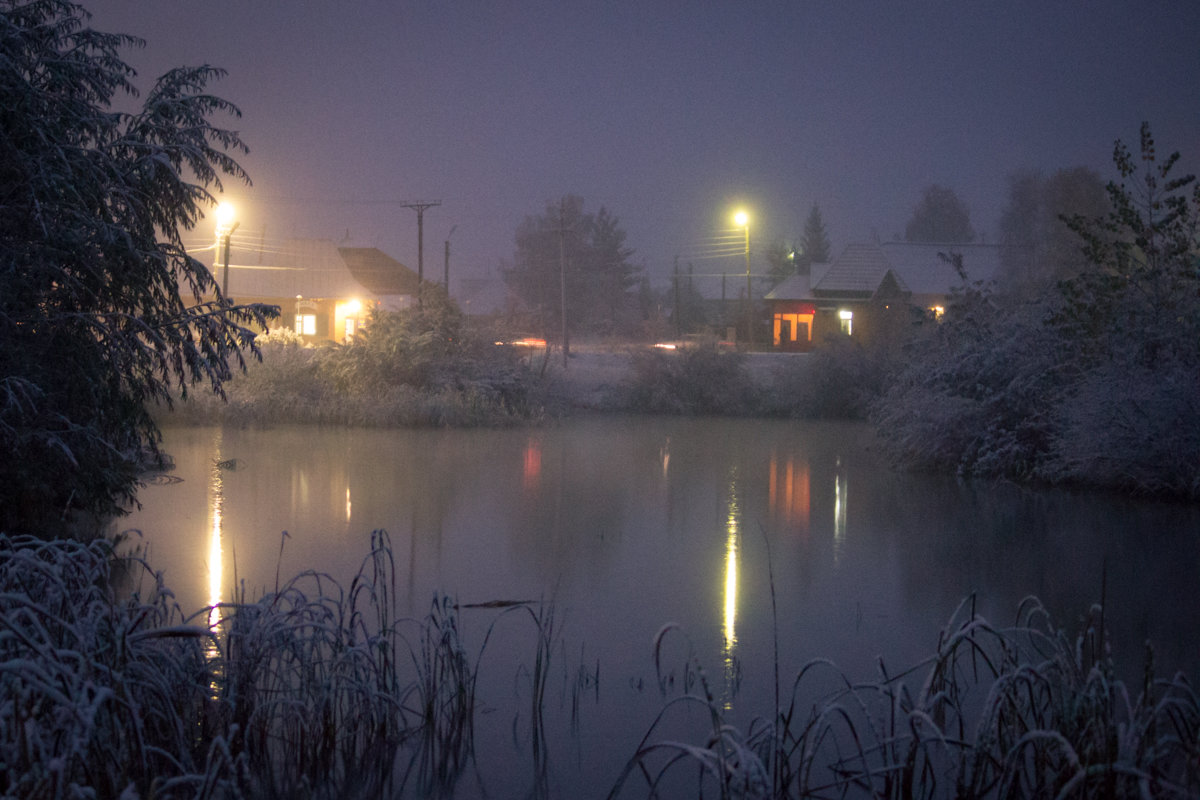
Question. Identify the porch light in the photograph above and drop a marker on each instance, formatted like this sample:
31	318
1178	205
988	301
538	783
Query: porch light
353	306
847	318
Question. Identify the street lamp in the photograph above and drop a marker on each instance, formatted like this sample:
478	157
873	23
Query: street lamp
226	225
742	219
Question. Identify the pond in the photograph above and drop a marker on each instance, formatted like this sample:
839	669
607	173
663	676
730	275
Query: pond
765	541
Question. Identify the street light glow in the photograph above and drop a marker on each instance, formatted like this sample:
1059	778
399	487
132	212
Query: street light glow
225	215
742	219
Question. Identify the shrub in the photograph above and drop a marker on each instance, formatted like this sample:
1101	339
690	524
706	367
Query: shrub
692	380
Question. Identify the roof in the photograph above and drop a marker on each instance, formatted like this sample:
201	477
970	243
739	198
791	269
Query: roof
917	267
925	272
316	268
378	272
859	269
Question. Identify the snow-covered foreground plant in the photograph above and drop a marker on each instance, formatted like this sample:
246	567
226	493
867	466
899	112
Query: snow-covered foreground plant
1026	711
314	690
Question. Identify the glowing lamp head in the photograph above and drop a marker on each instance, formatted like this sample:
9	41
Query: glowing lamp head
225	215
353	307
742	219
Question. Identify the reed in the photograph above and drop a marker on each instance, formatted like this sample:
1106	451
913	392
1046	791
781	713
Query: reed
317	690
1020	711
311	690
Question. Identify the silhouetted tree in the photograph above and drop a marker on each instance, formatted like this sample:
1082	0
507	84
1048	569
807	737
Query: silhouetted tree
814	242
94	324
589	252
1039	247
782	260
940	216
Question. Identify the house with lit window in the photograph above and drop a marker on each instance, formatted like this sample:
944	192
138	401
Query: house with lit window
869	284
324	292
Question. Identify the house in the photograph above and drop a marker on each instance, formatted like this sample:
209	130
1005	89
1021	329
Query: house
868	285
323	291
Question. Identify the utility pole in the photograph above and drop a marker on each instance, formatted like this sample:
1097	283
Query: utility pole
675	286
446	266
420	207
562	278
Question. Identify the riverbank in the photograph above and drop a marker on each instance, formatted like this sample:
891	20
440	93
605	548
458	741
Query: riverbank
595	375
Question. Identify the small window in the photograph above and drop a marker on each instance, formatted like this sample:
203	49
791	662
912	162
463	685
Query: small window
306	324
351	324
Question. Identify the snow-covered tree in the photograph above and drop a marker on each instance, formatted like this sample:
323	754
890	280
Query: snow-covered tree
102	312
1097	380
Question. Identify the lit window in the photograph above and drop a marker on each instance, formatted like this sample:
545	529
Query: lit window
938	311
350	322
792	328
847	321
306	324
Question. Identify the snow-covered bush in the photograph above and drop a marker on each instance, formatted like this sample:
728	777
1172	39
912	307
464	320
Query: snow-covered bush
1095	383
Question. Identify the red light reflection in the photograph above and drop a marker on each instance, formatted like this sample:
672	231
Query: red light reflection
788	491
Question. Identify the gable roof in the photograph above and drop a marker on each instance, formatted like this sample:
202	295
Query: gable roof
861	270
378	272
858	270
317	268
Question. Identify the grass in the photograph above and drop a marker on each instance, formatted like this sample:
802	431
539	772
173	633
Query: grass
320	690
313	690
1023	711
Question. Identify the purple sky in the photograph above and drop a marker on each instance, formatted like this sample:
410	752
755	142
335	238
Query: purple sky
668	113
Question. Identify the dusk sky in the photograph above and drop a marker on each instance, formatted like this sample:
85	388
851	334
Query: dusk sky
670	114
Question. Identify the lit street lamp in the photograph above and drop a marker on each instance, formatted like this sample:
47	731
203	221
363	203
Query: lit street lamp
226	225
742	219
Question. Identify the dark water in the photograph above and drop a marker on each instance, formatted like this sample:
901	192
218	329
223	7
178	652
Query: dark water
628	523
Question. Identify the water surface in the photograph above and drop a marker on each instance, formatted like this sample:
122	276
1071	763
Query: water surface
627	523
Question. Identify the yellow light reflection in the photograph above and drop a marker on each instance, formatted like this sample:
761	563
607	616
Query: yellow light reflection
216	507
732	545
839	513
348	504
215	561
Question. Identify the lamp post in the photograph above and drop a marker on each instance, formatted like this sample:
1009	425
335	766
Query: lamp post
743	221
226	225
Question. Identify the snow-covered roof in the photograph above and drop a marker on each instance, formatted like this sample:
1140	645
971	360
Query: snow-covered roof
859	269
925	272
316	268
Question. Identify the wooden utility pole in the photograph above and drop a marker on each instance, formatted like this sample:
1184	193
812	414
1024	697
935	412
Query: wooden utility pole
420	207
562	278
446	265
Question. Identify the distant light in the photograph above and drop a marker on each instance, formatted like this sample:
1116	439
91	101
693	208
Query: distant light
665	346
938	311
845	314
742	219
353	306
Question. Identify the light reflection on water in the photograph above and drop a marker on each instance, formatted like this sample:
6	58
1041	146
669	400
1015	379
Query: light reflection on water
215	563
626	524
733	521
